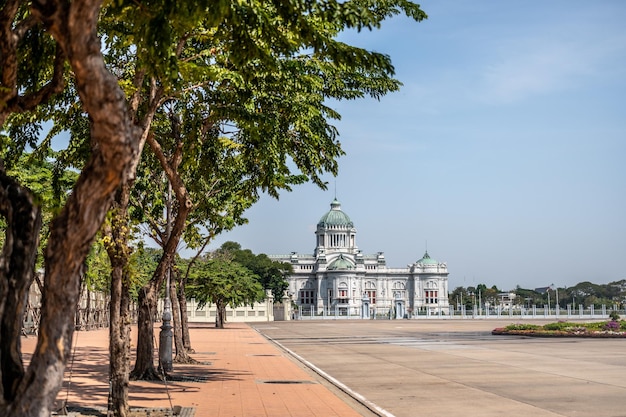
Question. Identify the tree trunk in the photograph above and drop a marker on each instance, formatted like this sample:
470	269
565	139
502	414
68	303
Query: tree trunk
144	362
181	353
184	319
87	317
220	313
73	25
146	310
17	271
118	348
71	234
119	312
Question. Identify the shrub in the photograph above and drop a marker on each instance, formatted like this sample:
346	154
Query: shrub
614	315
599	325
520	326
561	325
612	326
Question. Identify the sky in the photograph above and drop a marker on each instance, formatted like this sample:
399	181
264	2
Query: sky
503	155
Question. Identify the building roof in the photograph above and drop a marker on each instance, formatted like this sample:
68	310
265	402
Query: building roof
335	217
427	260
341	263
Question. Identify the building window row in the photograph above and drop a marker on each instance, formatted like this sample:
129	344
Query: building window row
337	240
430	297
307	297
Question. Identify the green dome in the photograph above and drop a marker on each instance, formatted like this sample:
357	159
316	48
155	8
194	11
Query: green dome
341	263
427	260
335	217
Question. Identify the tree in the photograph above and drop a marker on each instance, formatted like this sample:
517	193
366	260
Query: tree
271	273
456	296
250	89
528	297
223	282
249	38
73	41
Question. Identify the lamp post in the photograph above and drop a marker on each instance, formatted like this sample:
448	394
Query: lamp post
166	335
556	291
557	297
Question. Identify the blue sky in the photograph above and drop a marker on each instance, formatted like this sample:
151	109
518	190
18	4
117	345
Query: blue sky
503	154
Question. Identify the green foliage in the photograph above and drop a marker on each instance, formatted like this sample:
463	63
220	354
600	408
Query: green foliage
244	31
98	271
614	315
222	282
271	274
50	185
561	325
598	325
522	326
565	327
248	84
143	263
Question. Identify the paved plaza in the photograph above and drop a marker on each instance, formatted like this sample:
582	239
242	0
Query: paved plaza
353	368
456	367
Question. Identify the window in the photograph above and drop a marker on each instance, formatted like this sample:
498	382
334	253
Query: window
342	297
307	297
370	291
399	294
430	297
399	290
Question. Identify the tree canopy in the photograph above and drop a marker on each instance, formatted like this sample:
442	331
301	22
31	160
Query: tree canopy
224	282
271	274
241	59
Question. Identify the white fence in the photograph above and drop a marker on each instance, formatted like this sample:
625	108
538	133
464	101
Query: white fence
517	313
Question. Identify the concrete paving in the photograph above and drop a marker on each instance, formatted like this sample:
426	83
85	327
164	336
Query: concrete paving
456	367
366	368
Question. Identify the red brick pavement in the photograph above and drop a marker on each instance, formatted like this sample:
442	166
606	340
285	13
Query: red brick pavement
242	374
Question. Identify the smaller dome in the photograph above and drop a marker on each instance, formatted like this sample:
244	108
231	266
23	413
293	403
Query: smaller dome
427	260
341	263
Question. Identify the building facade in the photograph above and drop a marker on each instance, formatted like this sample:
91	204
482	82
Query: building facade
339	280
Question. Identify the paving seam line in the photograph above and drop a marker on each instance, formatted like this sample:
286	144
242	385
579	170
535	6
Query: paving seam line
355	395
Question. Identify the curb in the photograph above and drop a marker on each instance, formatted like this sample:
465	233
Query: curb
379	411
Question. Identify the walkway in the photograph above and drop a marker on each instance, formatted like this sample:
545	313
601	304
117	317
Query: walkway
242	374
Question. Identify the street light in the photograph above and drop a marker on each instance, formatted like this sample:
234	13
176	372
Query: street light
166	335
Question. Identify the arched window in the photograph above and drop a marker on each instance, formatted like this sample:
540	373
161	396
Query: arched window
342	296
307	293
370	291
430	293
399	285
398	289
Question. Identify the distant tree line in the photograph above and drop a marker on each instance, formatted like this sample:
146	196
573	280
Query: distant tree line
585	293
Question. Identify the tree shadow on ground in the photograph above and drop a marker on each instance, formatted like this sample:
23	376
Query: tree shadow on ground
86	380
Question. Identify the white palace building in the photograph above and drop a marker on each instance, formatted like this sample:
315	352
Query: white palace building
339	280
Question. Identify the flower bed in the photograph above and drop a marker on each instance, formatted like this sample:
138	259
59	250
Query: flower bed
605	329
